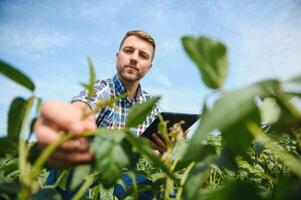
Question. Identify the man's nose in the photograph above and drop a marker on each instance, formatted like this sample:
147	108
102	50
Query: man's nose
134	58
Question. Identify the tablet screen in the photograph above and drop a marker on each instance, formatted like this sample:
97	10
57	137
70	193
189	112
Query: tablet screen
171	118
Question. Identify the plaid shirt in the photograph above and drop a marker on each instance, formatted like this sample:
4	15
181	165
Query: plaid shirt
115	117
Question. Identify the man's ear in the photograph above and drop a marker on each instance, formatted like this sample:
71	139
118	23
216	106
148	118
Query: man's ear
150	66
116	58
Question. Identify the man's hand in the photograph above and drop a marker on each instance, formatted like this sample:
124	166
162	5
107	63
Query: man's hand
159	144
59	116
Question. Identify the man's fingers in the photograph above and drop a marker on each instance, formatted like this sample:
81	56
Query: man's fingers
61	113
45	134
158	143
157	149
62	159
158	140
73	157
89	125
80	144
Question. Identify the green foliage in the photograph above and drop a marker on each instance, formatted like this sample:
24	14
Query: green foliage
16	75
239	131
139	112
79	175
90	85
235	190
15	117
112	154
255	153
225	113
8	146
211	58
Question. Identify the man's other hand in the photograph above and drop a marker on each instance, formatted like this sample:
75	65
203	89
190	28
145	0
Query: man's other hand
59	116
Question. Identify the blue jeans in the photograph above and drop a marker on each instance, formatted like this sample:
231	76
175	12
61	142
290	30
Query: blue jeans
119	191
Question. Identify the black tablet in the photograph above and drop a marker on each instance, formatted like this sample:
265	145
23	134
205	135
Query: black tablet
171	118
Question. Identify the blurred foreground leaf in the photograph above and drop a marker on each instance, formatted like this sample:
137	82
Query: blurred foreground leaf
92	79
237	138
112	154
8	146
211	58
139	112
225	113
16	75
15	117
80	173
232	191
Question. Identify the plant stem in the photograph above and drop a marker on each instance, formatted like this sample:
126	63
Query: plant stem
88	182
25	178
50	149
183	180
134	183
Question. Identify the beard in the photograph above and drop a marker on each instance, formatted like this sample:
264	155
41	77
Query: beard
129	74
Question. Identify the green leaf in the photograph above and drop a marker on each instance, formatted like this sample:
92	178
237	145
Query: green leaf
142	146
8	146
237	138
85	186
16	75
34	152
10	188
236	190
8	166
92	71
270	111
226	160
112	153
197	177
107	102
211	58
80	173
296	79
15	117
32	124
92	79
226	112
290	117
200	154
288	188
139	112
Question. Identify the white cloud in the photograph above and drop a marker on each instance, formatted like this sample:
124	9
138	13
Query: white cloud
97	10
264	36
33	40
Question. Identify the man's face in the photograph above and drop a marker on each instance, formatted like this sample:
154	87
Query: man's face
134	59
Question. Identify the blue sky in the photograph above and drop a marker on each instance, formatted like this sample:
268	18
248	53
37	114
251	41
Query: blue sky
50	41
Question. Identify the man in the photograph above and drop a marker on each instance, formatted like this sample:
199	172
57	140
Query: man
133	61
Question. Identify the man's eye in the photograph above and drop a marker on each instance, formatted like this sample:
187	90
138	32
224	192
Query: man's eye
128	50
144	56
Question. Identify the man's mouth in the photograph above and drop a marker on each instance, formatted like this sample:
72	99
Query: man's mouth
132	67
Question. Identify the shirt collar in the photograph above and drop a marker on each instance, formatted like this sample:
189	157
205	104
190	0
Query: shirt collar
119	89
